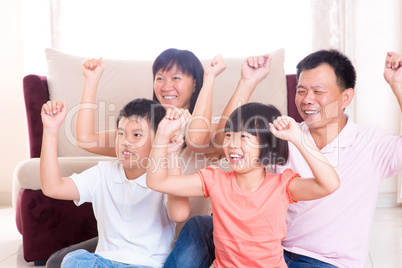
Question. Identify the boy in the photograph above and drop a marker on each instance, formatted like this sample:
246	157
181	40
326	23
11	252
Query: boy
135	224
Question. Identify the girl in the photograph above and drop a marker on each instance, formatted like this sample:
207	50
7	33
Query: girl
249	204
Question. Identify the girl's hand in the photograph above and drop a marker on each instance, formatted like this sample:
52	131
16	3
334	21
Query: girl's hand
216	67
172	127
285	128
93	69
53	114
256	68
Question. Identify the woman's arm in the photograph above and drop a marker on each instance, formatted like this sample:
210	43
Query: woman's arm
254	70
198	136
325	180
95	142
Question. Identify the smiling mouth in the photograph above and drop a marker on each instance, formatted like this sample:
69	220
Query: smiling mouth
311	112
127	154
169	97
236	157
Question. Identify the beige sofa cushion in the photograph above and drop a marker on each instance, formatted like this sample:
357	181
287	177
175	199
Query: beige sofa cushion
124	80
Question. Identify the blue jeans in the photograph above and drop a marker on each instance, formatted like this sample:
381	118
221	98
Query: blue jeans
294	260
195	248
83	259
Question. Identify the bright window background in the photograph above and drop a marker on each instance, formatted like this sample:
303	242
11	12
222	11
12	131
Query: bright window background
128	29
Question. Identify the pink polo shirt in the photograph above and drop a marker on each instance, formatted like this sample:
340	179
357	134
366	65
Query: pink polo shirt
336	229
248	227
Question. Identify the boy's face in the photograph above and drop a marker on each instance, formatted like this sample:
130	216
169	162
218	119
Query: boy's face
133	142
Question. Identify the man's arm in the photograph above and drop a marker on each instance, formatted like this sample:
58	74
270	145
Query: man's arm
53	185
393	74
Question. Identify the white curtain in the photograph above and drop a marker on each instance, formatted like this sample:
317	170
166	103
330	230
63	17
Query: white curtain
334	27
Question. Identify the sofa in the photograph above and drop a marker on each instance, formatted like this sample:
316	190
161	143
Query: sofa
48	225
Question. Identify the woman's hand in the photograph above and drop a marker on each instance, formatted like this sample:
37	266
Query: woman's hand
216	67
93	69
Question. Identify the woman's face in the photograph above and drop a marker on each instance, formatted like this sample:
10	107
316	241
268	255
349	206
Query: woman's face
174	88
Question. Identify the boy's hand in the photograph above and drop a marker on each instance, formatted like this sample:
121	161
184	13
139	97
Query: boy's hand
216	67
285	128
93	69
256	68
53	114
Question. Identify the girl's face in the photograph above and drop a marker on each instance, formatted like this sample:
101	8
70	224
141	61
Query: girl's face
174	88
242	150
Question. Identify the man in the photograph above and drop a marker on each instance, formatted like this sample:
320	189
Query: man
332	231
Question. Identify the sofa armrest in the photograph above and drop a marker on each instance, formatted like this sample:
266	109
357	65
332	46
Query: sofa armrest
27	175
36	93
291	83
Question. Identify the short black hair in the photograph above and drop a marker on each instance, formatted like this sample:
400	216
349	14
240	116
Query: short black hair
146	109
253	118
187	63
342	66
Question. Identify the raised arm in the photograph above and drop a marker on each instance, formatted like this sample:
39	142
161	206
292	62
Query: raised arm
87	138
325	180
254	70
53	185
393	74
162	175
198	136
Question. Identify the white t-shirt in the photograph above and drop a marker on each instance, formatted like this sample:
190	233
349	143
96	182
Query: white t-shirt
133	224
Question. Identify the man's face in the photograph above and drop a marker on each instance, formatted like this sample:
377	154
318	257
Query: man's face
319	99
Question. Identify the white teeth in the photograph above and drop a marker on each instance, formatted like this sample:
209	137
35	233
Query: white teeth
169	97
311	112
236	156
127	153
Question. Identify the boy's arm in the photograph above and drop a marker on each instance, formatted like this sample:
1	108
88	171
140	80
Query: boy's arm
161	176
198	136
325	180
254	70
53	185
87	138
393	74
